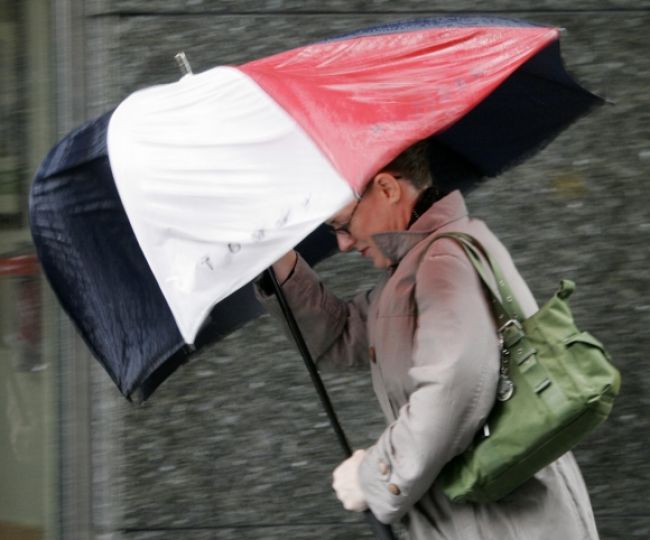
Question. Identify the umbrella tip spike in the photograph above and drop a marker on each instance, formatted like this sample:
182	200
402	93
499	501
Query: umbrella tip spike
183	63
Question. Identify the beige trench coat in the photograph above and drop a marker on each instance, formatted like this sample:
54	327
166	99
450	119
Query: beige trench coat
428	335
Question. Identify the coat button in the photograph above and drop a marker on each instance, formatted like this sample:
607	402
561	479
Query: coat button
394	489
372	355
383	467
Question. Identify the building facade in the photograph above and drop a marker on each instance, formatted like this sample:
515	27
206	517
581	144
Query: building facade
235	445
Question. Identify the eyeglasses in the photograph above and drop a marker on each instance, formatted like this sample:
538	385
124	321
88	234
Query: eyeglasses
343	230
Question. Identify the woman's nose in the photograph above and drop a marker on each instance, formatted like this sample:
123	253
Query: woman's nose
344	241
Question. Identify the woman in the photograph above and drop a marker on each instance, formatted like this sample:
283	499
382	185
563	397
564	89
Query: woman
429	337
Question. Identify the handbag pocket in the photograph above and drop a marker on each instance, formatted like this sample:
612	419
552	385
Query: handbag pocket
593	371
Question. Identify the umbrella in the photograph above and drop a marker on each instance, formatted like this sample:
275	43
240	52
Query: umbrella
151	221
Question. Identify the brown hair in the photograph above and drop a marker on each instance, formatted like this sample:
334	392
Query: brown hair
430	163
413	164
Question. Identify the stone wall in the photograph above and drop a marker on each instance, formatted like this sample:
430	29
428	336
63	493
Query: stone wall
235	445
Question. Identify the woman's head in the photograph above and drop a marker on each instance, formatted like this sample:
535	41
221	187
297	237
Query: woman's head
385	205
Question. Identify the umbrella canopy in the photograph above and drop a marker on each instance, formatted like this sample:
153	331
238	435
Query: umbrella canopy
151	221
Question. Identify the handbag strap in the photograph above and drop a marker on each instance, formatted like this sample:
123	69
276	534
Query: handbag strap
505	306
510	321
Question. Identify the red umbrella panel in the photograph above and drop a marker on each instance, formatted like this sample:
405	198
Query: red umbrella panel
375	95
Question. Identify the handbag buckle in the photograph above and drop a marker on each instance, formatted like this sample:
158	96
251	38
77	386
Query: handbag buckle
505	385
508	324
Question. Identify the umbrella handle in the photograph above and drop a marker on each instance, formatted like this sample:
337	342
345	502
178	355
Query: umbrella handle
380	530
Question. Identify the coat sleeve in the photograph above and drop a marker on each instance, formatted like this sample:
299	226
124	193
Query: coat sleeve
454	376
334	329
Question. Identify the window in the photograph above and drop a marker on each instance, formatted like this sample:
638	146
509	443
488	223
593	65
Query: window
28	450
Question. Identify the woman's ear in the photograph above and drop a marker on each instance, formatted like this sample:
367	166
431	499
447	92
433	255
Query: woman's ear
387	186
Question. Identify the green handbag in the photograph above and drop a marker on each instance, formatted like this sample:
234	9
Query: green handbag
556	385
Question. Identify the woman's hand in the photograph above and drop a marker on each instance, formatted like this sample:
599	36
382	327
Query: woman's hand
346	483
284	266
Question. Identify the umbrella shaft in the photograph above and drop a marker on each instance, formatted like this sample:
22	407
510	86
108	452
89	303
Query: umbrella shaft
380	530
310	364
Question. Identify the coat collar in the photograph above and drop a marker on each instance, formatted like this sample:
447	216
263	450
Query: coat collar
395	245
